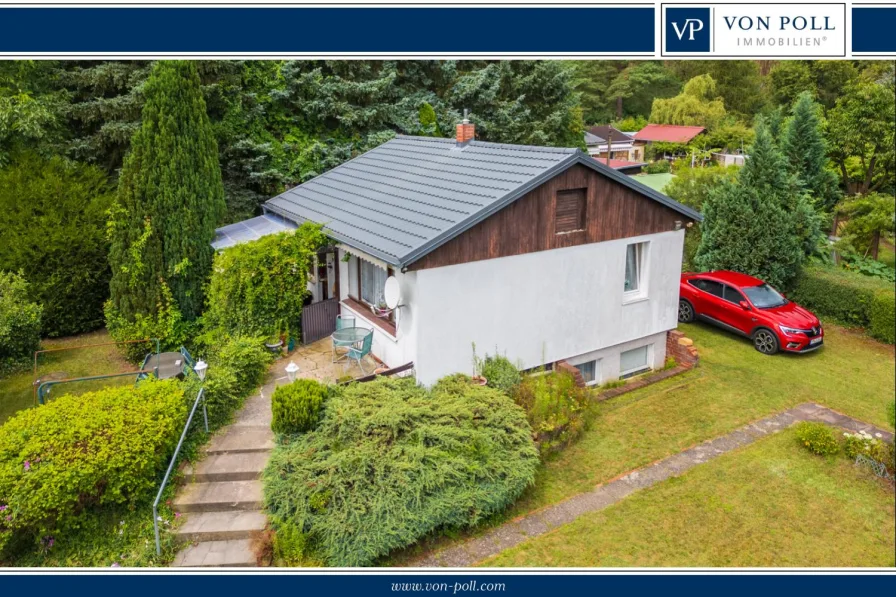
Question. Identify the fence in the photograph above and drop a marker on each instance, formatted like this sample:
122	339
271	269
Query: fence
319	320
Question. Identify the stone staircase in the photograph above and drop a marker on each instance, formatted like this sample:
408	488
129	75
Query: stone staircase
222	500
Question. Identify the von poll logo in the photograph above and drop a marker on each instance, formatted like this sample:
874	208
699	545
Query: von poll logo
687	29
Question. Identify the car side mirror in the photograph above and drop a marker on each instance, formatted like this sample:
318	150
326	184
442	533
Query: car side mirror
745	306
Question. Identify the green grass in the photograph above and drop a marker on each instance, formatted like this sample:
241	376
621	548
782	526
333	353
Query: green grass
656	182
769	504
16	390
732	386
887	254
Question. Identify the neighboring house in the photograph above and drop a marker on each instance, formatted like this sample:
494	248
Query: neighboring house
539	253
603	140
666	133
729	159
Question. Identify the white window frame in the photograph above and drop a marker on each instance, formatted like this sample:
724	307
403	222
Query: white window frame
642	249
597	376
647	365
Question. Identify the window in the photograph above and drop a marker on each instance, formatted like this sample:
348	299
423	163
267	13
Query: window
570	211
765	297
713	288
634	266
634	361
373	281
732	295
589	372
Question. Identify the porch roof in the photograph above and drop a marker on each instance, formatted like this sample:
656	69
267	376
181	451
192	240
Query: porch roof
251	229
408	196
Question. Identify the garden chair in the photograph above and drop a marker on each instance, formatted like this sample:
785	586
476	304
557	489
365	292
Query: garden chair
342	322
360	349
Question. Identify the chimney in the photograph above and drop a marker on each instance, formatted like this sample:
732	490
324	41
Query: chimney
466	130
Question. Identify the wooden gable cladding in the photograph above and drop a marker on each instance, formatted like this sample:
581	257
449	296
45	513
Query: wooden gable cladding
529	224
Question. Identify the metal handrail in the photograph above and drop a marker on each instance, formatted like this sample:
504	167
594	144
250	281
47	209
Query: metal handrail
155	504
43	387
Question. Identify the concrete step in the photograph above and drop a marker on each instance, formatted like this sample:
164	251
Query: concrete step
221	526
236	552
240	438
228	466
219	497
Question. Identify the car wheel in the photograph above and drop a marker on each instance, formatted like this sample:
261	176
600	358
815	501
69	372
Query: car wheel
685	311
765	341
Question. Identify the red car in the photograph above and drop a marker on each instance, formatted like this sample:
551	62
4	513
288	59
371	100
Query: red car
749	307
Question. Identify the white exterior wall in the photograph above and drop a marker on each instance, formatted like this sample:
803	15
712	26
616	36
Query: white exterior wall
543	307
393	350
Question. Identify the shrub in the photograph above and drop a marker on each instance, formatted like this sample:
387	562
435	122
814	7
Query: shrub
80	452
166	324
20	321
236	367
658	167
391	462
53	227
849	298
500	373
290	544
818	438
297	406
555	407
258	288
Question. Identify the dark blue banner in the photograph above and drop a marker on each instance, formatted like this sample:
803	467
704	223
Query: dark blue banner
874	29
456	584
159	30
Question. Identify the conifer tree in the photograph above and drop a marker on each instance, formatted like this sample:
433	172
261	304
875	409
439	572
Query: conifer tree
761	224
804	147
170	198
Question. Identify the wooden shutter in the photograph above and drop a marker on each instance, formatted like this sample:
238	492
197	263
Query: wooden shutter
570	211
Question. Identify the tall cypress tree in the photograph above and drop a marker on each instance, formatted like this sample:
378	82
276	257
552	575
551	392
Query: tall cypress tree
761	224
170	198
804	146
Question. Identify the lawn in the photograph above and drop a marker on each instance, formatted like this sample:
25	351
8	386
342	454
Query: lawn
769	504
656	182
732	386
16	390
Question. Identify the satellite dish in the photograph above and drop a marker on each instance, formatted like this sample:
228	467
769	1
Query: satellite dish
392	292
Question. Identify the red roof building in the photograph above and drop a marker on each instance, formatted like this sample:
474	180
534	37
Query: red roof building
668	133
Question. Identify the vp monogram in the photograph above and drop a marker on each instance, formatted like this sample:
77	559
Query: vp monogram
691	26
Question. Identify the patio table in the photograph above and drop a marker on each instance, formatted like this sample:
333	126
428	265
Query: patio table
349	337
167	364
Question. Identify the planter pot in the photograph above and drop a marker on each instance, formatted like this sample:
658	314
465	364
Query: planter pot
479	380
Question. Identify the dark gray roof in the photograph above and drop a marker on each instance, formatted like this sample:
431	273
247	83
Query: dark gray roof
605	131
251	229
404	198
591	139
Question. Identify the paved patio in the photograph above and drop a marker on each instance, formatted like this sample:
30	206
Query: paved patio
315	362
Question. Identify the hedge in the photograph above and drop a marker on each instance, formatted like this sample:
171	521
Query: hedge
20	322
391	462
83	452
849	298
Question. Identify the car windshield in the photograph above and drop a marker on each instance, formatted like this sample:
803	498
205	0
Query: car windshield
764	296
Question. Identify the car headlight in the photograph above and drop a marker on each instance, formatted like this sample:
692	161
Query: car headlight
792	331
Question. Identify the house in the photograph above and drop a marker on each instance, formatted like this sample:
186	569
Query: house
604	139
665	133
540	253
729	159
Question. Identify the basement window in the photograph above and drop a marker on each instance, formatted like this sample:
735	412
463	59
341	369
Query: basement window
569	214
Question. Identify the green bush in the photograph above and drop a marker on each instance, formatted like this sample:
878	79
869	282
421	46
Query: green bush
236	367
60	460
500	373
20	322
849	298
555	407
882	319
875	448
166	324
258	288
297	406
818	438
53	227
658	167
290	544
391	462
